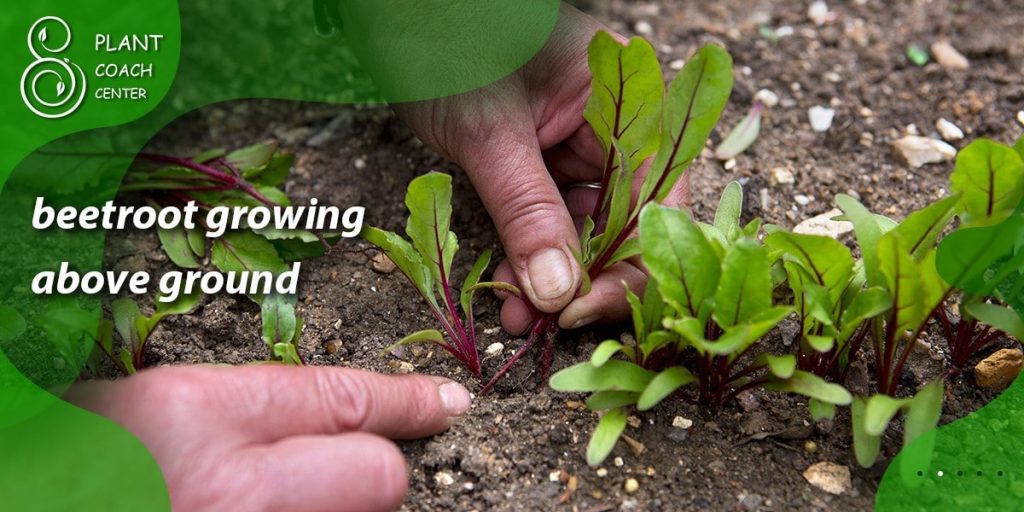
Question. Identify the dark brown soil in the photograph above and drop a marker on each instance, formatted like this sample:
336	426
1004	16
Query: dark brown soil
503	455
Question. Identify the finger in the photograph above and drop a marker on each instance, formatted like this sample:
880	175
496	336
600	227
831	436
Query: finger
515	314
567	167
532	220
607	297
354	471
581	201
274	401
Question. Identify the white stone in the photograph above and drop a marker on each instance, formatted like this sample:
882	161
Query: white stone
631	486
444	478
729	164
784	31
802	200
643	28
818	13
830	477
948	57
681	422
782	176
618	462
554	476
602	472
359	163
767	97
821	118
823	225
677	64
1020	117
494	348
948	130
918	151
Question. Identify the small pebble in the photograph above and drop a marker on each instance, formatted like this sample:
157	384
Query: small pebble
444	478
730	164
820	118
382	263
631	486
1020	117
618	462
643	28
802	200
948	130
948	57
677	64
681	422
494	349
918	151
359	163
782	176
332	347
810	446
405	367
767	97
818	13
602	472
555	476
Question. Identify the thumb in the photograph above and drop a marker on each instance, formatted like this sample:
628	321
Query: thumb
531	217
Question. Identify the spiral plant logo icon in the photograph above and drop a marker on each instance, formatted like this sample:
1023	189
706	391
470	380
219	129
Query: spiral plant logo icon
51	87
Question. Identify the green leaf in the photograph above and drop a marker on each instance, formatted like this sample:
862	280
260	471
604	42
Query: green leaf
12	324
275	171
879	411
1019	146
177	247
693	104
812	386
827	261
821	344
605	351
679	258
628	249
196	241
287	353
429	199
865	305
278	315
821	410
466	292
613	375
742	135
865	446
245	251
922	228
991	178
1003	318
424	336
745	288
781	367
181	305
618	209
602	400
126	312
626	96
730	206
406	258
915	287
663	385
208	155
251	157
923	411
605	436
868	231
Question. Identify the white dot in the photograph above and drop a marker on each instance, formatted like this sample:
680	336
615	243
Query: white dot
939	473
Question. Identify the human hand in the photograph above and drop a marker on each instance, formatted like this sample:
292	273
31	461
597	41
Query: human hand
274	437
520	140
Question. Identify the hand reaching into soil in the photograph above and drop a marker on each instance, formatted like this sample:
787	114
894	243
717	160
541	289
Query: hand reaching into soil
520	140
276	437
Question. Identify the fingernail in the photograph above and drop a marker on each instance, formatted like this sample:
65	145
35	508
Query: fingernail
454	398
550	274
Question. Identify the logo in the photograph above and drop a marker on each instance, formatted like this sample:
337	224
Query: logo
51	87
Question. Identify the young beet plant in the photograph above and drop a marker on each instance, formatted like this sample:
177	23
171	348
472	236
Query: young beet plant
250	176
426	261
706	308
634	118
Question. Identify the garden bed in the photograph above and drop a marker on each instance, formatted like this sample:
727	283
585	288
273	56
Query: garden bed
522	447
